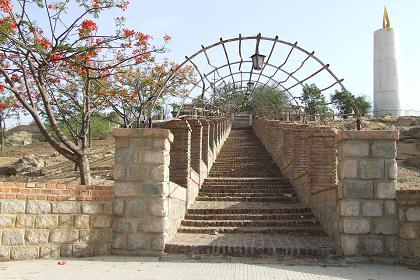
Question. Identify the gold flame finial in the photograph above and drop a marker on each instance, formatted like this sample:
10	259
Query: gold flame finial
385	22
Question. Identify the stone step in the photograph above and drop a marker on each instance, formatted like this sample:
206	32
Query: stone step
249	223
250	199
251	245
247	189
234	180
292	209
314	230
244	174
246	194
288	216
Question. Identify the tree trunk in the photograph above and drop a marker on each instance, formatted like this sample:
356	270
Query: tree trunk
84	170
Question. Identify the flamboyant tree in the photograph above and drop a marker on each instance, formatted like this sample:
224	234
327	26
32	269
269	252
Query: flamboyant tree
9	108
133	94
53	53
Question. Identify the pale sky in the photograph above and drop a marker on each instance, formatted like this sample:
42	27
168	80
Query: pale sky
340	32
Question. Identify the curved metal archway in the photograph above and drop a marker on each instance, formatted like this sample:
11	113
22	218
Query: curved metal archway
293	47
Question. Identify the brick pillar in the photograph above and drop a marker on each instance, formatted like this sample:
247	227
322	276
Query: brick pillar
205	141
322	157
179	168
367	173
141	187
211	136
196	143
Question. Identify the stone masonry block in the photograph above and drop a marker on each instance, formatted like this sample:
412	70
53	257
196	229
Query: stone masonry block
64	236
36	236
66	207
154	157
24	221
46	221
101	221
4	253
372	208
13	206
355	148
385	226
160	173
137	173
65	221
349	244
137	241
7	221
356	225
413	214
119	241
390	208
385	189
155	225
349	168
162	144
384	149
126	189
372	168
158	242
38	207
119	172
158	207
90	236
118	205
155	190
135	208
12	237
391	169
353	188
350	208
372	246
24	253
409	231
81	221
82	250
49	251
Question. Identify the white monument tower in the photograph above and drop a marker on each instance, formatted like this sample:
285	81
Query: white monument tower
386	89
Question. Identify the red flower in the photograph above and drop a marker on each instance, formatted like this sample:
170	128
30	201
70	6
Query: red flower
167	38
14	78
129	33
1	88
87	27
6	6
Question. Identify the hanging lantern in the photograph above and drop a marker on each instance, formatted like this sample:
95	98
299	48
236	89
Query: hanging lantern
257	61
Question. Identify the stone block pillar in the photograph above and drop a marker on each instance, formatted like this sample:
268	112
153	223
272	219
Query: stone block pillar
179	168
141	174
367	173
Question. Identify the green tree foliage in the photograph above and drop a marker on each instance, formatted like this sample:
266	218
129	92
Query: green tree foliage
314	101
268	101
342	102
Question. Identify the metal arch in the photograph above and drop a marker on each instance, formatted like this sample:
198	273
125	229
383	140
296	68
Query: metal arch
258	38
257	82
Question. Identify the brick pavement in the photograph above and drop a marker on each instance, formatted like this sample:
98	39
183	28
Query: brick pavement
179	268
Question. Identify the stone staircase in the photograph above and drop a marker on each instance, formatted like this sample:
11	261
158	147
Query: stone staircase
247	208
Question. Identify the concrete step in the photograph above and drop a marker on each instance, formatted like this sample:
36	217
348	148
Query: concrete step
287	216
246	194
281	199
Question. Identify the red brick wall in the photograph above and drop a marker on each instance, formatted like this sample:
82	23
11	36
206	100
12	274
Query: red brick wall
54	192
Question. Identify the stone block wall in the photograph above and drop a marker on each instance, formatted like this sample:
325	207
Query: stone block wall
54	220
408	206
367	171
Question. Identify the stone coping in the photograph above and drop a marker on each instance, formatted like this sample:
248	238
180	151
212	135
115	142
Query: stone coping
367	135
143	133
408	194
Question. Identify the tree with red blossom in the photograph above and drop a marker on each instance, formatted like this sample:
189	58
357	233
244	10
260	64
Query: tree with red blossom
54	70
132	94
9	108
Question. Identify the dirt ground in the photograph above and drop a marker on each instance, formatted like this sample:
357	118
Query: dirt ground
60	170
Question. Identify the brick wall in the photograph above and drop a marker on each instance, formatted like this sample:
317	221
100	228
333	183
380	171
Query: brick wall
53	220
408	205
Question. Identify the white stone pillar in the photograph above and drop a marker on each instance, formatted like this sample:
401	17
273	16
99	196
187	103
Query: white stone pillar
386	88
